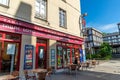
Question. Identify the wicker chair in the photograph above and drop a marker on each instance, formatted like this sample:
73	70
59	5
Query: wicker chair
49	72
41	76
94	63
29	75
15	74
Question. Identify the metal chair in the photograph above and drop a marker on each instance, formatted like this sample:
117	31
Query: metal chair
73	67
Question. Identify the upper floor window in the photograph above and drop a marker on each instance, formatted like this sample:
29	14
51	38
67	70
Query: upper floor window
40	9
62	18
4	2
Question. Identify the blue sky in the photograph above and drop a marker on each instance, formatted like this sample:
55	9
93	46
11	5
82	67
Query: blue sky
102	14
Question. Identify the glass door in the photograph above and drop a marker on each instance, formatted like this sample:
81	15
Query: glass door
41	56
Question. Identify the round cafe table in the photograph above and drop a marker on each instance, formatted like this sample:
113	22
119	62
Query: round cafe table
7	77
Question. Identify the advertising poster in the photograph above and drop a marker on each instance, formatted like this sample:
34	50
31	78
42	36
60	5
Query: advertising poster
28	57
81	55
52	57
84	56
11	49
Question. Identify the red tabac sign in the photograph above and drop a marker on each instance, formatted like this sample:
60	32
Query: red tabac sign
16	26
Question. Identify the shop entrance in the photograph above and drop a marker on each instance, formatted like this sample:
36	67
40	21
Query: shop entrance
41	54
9	53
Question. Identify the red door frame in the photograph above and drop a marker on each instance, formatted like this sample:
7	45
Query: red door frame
3	40
45	55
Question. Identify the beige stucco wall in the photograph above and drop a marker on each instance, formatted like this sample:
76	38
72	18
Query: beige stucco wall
25	10
52	45
31	40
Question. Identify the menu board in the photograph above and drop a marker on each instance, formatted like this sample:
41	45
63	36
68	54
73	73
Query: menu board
28	57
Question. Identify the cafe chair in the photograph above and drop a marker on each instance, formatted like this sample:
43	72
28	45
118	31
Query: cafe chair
49	73
29	75
93	63
73	67
42	76
15	74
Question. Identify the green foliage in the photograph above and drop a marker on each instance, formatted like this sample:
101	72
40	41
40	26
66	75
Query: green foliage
104	33
105	52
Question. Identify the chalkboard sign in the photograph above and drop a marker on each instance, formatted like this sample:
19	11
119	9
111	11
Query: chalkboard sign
28	57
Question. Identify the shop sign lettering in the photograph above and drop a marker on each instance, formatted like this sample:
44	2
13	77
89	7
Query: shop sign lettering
20	30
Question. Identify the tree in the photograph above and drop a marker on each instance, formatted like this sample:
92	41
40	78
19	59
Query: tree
105	51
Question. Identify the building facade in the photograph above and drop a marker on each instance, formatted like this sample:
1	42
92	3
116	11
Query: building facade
119	27
38	33
93	40
114	40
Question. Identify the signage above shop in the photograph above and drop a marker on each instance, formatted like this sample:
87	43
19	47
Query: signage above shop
36	27
20	30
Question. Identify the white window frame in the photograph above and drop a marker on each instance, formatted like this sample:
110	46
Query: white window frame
41	9
4	2
62	18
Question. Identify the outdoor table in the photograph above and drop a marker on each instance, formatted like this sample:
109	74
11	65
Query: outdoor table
39	70
41	73
7	77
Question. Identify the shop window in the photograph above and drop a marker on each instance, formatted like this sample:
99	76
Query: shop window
12	37
0	35
62	18
40	9
73	55
68	56
4	2
7	55
59	57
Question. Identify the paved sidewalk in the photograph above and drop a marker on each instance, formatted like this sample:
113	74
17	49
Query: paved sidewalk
109	70
112	66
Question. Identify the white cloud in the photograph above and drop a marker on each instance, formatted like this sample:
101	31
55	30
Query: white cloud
108	28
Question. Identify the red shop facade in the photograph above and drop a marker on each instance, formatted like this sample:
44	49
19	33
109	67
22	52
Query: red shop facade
11	33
